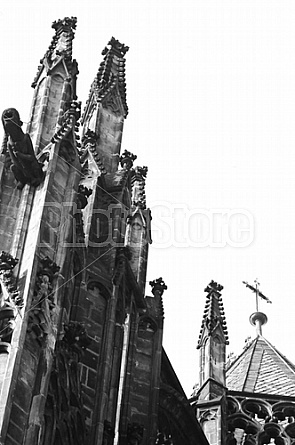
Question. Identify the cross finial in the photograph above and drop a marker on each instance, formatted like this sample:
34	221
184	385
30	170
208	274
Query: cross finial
257	292
257	284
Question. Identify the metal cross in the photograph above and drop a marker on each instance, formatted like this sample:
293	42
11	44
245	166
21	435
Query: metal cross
257	292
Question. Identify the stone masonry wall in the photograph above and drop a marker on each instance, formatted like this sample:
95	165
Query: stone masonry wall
31	358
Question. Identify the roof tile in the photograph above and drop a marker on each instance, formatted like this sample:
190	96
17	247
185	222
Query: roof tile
261	368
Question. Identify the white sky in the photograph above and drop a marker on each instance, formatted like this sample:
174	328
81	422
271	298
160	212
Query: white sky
211	94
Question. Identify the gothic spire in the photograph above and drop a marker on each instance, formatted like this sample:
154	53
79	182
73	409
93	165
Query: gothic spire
111	77
60	47
213	314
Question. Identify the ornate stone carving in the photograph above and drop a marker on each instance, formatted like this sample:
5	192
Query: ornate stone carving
7	280
213	286
89	137
63	135
255	421
111	74
75	337
140	173
89	143
138	187
117	46
158	286
134	433
126	160
82	199
213	313
25	166
61	45
43	300
123	254
65	24
9	300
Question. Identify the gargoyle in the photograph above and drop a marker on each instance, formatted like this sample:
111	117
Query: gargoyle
25	166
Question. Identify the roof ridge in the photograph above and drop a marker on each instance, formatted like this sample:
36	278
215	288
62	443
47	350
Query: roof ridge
250	363
261	368
245	349
281	356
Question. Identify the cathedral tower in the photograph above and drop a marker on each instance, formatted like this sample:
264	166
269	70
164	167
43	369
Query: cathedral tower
80	344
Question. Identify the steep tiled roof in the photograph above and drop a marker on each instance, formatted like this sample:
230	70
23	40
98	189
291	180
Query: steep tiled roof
261	368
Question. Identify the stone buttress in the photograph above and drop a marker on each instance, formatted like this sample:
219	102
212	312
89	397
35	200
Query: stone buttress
39	180
80	344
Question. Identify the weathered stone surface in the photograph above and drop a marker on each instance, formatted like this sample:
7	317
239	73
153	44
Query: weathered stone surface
57	387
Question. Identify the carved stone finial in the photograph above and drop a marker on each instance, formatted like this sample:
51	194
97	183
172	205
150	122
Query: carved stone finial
213	312
213	286
158	286
25	166
117	46
65	24
89	137
140	173
126	160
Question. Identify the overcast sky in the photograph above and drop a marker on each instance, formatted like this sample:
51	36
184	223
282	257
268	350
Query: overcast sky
210	89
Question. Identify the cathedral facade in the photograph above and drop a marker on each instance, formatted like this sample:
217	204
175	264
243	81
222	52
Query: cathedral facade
81	356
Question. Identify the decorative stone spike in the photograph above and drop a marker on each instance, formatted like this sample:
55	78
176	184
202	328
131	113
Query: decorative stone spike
67	26
213	313
126	160
158	286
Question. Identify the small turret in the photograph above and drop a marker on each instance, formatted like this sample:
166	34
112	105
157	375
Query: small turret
213	338
54	85
106	106
209	402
